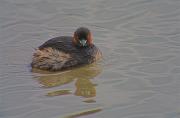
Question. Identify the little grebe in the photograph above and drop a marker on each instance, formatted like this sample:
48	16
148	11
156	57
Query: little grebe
65	51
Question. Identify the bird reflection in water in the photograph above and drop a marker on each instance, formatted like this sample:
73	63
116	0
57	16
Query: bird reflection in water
85	88
82	76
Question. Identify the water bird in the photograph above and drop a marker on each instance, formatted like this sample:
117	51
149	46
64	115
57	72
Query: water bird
65	52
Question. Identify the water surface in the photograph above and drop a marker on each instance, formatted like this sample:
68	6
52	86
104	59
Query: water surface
138	77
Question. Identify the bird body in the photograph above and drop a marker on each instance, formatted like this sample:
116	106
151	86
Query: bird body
63	52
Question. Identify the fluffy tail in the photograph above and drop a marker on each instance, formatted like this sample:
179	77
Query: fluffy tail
49	59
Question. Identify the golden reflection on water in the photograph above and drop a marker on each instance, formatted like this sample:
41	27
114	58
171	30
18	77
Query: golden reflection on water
82	77
58	93
85	88
84	113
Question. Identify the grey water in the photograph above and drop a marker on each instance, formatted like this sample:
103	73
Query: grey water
139	76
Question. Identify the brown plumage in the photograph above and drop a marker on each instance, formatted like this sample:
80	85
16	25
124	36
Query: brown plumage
63	52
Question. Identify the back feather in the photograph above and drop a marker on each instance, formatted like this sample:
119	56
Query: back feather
49	59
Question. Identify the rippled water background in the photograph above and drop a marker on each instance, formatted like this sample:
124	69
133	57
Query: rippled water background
139	76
